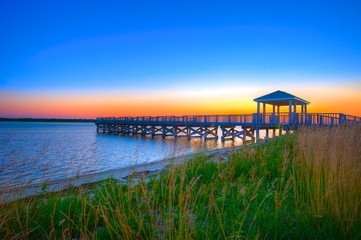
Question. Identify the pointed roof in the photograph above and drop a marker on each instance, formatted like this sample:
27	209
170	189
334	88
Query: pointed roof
280	98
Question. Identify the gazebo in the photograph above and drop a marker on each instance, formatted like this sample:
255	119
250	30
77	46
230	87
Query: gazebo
279	99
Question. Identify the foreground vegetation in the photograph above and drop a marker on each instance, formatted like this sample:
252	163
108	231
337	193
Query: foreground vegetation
300	186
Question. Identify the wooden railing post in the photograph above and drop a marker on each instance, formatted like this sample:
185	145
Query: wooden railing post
255	118
342	119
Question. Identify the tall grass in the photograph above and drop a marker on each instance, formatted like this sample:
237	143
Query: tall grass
327	170
304	185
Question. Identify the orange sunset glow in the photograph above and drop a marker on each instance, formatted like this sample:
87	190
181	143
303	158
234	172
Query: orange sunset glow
338	99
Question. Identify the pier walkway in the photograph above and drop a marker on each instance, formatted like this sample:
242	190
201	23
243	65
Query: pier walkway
243	126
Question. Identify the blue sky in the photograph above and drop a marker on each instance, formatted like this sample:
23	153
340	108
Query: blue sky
63	44
150	46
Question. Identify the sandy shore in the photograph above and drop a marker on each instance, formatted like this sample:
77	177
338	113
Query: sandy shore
10	193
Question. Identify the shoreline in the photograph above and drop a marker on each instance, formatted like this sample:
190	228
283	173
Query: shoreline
11	193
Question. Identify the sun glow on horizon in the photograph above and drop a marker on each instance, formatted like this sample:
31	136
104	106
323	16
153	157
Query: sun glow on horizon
337	98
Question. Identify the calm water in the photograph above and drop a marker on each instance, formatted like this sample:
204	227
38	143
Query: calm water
49	151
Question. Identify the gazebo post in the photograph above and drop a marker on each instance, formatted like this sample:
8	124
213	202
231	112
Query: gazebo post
294	107
302	117
264	113
258	111
290	111
278	114
294	110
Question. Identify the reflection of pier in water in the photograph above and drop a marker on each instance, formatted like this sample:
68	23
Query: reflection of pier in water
206	126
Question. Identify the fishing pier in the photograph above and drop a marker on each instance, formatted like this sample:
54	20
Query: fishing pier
244	126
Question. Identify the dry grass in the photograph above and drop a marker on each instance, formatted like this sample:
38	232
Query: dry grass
327	171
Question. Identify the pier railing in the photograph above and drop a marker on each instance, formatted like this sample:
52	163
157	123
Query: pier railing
283	118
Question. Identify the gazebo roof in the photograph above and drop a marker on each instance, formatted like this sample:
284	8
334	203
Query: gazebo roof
280	98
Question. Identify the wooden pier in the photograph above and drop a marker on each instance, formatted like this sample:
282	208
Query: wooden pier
243	126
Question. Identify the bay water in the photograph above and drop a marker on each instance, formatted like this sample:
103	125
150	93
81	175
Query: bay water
32	152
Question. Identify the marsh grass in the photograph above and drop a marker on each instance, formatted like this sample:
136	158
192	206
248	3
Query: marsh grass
303	185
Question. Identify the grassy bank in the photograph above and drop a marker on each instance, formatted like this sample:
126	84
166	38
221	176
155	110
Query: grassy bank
304	185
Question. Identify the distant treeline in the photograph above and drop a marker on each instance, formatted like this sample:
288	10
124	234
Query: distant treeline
44	120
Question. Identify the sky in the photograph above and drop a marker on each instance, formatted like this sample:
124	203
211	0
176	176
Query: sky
84	59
